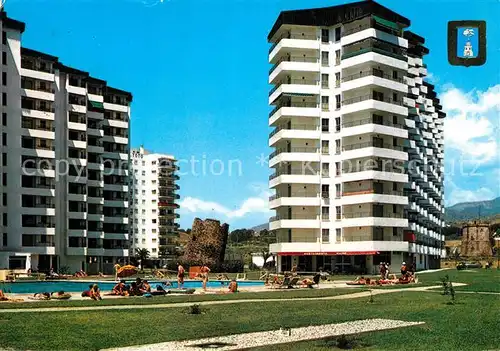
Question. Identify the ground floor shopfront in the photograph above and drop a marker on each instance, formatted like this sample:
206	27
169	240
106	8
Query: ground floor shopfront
354	263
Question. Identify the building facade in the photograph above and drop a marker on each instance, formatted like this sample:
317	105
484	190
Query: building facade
65	153
358	142
153	195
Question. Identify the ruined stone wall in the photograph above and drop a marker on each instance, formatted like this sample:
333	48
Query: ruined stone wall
476	241
207	244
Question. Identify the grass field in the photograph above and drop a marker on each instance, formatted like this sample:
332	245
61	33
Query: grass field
470	324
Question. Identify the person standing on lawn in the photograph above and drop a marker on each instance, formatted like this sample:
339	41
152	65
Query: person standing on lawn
204	271
180	275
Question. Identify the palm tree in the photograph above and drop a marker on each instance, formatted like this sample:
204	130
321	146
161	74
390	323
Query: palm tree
142	255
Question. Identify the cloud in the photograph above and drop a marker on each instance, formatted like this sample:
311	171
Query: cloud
254	204
456	194
472	123
432	78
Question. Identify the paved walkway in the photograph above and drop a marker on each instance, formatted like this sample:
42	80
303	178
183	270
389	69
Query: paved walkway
218	302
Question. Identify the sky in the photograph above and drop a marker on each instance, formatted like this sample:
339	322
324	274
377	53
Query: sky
198	72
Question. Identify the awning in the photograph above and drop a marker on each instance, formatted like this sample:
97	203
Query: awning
96	104
386	23
298	94
329	253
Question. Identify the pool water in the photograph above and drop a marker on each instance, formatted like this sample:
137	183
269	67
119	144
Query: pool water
80	286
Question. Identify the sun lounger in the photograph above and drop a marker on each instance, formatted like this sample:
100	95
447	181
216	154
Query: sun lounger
288	283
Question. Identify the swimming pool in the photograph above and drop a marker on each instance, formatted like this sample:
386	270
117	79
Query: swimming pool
79	286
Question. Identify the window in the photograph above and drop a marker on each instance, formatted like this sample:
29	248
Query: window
153	221
143	211
4	199
324	125
337	191
4	179
144	163
4	78
337	102
325	58
395	232
337	169
337	124
338	235
143	182
4	57
338	211
4	239
143	241
4	159
325	103
324	81
325	169
394	97
4	38
5	219
153	163
325	191
153	192
395	75
395	120
325	146
394	141
153	250
325	212
4	99
143	173
325	235
4	119
394	186
337	79
337	57
325	36
337	146
337	34
395	208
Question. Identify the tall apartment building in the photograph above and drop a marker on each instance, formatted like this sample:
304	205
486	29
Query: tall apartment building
358	139
64	163
153	203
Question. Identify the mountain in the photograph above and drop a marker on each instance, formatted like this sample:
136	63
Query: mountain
259	228
472	210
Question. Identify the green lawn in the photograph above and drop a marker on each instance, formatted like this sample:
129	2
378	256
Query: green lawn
468	325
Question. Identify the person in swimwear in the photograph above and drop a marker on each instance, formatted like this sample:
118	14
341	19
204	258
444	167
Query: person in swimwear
119	289
95	293
204	276
180	275
233	286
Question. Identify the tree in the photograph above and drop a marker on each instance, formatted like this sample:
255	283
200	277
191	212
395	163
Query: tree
241	235
142	255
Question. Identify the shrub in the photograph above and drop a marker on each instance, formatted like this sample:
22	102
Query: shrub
64	270
195	309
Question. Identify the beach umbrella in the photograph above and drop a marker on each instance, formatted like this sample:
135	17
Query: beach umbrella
126	271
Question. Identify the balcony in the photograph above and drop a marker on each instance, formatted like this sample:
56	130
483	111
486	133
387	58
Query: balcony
293	64
371	97
292	36
372	144
290	82
294	150
374	45
294	176
300	105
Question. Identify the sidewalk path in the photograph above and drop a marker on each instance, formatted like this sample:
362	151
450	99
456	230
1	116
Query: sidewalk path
219	302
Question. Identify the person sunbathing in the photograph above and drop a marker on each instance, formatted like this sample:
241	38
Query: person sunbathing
119	289
360	280
3	297
145	287
86	293
95	293
42	296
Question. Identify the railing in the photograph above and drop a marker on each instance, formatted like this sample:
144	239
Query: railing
294	59
372	191
294	149
293	217
32	125
294	127
377	50
371	97
304	172
371	214
294	104
356	29
294	194
371	121
292	36
294	81
371	144
47	205
371	72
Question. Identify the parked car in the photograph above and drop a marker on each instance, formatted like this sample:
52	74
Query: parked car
468	265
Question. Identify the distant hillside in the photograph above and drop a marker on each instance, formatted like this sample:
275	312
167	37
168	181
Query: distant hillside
261	227
471	210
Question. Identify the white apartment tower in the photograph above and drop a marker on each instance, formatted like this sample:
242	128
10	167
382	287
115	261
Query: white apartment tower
358	140
65	152
153	203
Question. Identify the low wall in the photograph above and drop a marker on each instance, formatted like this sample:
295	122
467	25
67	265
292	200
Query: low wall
483	261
